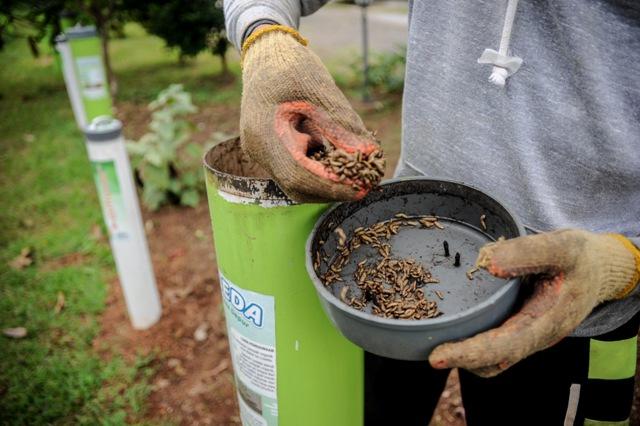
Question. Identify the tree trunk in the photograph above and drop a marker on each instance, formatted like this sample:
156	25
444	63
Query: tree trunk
33	46
225	64
104	39
102	19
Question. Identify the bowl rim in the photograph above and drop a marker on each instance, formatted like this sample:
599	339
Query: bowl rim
438	322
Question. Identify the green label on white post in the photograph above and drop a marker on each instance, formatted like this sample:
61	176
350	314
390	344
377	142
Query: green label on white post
252	338
111	200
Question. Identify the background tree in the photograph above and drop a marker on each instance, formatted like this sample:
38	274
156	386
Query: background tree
189	26
36	19
107	16
29	20
218	43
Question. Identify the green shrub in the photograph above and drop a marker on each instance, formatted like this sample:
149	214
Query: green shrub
168	174
386	73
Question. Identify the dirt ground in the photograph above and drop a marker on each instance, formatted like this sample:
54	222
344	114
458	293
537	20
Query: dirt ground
193	383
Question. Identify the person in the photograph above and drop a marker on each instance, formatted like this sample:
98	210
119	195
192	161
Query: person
536	102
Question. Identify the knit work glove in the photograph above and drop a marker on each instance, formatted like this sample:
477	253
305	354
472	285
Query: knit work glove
291	109
579	270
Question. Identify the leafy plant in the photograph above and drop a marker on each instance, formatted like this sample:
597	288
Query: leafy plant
386	73
167	173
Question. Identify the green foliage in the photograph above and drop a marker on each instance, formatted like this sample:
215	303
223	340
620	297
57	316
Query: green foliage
189	26
37	19
32	20
168	175
386	72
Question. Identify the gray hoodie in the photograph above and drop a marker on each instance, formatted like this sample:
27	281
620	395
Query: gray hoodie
559	142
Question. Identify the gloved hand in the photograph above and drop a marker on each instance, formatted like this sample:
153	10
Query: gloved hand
580	270
292	108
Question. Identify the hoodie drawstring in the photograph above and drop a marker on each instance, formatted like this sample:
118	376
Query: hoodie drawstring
503	66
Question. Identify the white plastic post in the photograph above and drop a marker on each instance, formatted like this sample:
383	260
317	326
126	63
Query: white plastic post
71	80
119	201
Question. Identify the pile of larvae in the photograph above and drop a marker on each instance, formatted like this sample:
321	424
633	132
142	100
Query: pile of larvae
392	285
364	170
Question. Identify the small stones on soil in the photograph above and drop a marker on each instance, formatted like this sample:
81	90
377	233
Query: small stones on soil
392	285
201	333
176	365
361	170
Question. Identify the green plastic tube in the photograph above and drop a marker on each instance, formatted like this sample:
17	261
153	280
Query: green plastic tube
291	365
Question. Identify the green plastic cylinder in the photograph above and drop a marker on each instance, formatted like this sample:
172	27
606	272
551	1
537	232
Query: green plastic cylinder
90	71
259	237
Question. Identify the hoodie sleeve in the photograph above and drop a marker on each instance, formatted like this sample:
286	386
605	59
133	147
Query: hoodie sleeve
242	16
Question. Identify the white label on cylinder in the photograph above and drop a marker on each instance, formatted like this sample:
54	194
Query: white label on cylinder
111	199
252	338
91	76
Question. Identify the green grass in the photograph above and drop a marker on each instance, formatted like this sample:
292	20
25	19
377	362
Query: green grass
144	67
49	203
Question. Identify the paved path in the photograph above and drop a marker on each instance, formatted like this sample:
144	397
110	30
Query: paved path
334	31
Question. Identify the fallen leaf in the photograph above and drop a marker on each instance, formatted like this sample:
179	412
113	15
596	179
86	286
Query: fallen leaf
59	303
176	364
178	333
201	332
161	384
29	137
27	223
24	259
16	333
175	294
198	389
177	253
96	232
224	364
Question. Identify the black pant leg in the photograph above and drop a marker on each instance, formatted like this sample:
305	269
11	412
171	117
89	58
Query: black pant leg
607	393
533	392
401	392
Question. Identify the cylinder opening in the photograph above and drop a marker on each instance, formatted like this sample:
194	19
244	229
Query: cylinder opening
237	174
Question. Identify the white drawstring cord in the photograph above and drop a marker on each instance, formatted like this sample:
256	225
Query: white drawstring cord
503	65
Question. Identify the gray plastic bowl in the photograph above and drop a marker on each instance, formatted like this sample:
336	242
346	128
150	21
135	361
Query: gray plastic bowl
469	307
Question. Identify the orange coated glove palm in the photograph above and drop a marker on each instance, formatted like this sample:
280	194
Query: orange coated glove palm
579	270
